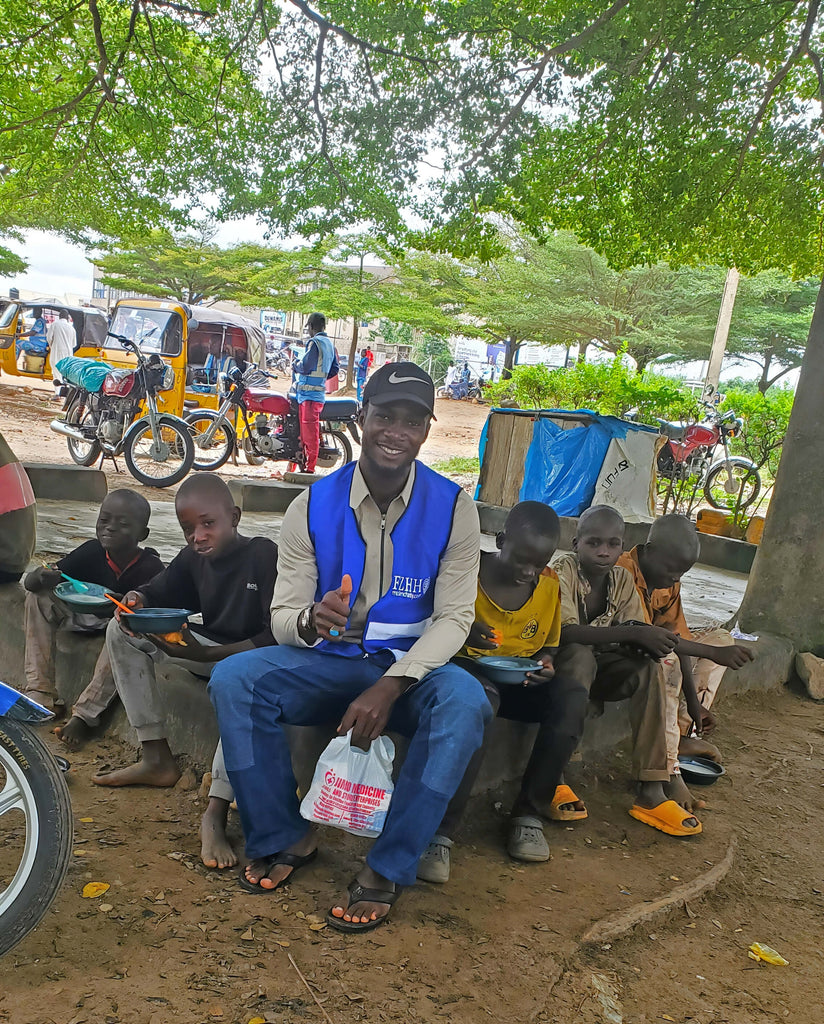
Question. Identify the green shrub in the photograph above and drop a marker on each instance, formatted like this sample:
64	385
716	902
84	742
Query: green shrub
766	418
611	389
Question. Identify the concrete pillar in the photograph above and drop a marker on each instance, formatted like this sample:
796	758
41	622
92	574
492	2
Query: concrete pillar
785	593
722	331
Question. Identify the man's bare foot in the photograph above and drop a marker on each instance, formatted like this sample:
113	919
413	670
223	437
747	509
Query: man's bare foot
676	789
215	849
256	870
158	768
694	746
364	912
140	774
75	733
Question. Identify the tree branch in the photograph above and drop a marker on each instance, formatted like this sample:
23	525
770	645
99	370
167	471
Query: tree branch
551	54
42	29
799	50
347	37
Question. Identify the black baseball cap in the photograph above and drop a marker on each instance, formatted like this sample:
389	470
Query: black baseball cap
400	382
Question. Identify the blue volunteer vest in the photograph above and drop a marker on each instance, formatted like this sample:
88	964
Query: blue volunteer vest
311	387
419	539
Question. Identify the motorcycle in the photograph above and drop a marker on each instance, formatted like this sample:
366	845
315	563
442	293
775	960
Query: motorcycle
274	431
36	830
692	450
460	389
103	416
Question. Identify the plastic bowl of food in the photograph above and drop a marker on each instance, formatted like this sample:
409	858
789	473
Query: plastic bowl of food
700	771
155	620
92	599
507	671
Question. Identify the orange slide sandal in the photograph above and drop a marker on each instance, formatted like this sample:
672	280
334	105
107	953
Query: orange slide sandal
564	795
668	817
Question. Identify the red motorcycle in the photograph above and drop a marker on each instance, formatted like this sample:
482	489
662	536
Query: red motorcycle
701	450
269	426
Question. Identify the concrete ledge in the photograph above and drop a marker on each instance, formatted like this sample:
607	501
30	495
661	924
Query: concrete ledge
263	495
66	482
720	552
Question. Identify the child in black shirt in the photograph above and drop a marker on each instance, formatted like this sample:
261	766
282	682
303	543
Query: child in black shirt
114	560
229	579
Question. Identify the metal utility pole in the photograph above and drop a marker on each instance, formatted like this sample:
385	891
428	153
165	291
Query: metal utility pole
722	330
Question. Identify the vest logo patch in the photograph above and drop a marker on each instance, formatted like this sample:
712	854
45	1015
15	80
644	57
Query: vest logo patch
251	586
410	586
529	630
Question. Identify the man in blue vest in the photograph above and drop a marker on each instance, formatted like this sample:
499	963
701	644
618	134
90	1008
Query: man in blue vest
319	363
370	652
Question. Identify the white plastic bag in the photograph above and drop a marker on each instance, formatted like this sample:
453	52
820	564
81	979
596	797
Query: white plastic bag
352	788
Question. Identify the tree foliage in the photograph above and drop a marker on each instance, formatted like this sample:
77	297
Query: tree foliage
185	266
654	129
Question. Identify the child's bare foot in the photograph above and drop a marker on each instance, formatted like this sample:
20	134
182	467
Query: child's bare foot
158	768
215	849
74	733
676	789
694	746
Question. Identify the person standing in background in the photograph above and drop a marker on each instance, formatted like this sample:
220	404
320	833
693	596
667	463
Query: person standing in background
62	341
312	371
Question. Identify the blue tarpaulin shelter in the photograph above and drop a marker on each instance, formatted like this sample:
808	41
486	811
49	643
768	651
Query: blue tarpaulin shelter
565	458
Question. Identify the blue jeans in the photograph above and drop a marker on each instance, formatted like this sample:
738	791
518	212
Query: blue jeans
360	381
257	692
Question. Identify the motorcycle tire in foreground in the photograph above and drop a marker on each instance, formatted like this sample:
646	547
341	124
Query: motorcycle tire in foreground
35	821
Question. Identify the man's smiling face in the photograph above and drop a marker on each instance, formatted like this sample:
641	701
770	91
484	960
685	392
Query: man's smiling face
392	435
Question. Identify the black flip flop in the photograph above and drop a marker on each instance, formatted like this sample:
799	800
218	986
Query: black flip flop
359	894
291	860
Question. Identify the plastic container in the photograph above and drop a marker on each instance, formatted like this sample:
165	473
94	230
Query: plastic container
33	363
90	600
755	528
700	771
507	671
155	620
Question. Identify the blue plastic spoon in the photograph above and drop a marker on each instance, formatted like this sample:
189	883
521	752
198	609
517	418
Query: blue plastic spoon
84	588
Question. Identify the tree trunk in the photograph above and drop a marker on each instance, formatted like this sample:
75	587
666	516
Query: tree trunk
353	351
510	349
784	594
582	351
765	382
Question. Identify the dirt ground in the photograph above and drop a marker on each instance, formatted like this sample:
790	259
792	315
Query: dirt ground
173	942
26	410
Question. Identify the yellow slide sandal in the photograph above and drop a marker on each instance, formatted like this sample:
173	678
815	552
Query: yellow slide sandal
668	817
564	795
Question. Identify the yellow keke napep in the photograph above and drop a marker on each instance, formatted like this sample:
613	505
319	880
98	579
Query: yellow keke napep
17	318
198	342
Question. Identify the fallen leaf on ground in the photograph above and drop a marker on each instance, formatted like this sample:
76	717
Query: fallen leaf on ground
87	821
91	890
248	935
318	926
283	942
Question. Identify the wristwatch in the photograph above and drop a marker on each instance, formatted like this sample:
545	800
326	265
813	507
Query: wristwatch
305	623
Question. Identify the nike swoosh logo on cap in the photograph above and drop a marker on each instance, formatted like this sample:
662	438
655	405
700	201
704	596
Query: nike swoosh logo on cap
395	379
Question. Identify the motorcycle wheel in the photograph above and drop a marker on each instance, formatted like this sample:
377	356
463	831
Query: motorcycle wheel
82	454
177	454
35	831
722	488
249	454
333	439
221	446
442	393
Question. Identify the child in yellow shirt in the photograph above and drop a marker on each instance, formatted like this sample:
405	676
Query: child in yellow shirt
518	613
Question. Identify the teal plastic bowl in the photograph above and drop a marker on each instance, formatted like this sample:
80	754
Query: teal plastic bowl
507	671
155	620
91	600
